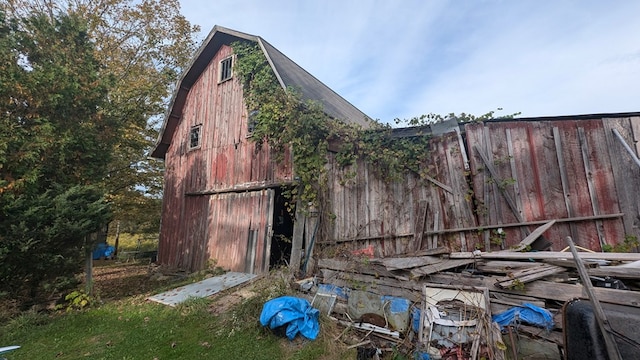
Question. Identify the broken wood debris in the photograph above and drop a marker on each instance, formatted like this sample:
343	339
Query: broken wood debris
439	266
528	275
546	279
527	241
545	255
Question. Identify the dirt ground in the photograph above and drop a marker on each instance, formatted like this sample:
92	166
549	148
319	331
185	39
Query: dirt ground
227	300
114	281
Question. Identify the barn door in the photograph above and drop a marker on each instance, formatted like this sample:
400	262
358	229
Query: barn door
260	226
240	230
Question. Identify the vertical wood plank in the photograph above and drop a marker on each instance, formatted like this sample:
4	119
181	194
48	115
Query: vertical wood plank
490	215
564	180
270	199
514	174
436	227
635	132
423	208
297	239
584	147
458	200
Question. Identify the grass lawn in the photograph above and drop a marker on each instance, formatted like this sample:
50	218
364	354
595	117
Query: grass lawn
126	326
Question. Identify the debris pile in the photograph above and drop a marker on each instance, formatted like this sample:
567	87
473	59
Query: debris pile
438	304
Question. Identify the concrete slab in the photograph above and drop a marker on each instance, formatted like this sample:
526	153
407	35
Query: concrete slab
204	288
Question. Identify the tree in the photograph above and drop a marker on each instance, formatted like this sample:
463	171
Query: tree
57	134
143	46
83	84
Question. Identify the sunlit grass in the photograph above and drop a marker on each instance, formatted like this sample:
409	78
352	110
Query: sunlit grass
134	328
136	331
137	242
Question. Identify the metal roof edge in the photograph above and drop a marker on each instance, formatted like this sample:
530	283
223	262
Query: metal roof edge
568	117
409	131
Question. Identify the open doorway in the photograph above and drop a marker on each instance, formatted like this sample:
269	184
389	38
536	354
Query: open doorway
282	231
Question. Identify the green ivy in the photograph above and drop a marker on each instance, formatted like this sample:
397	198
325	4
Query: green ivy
630	244
284	120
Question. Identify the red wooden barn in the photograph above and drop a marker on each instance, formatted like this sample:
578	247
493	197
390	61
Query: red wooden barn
486	185
222	195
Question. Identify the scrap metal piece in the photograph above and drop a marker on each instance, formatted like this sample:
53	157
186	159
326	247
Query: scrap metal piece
200	289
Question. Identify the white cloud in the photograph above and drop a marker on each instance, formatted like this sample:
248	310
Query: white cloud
405	58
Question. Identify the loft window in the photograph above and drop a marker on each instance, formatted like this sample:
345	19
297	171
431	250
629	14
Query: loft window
195	137
226	67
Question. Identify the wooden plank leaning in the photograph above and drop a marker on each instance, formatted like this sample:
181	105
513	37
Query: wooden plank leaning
601	318
527	241
528	275
544	255
423	208
494	174
626	146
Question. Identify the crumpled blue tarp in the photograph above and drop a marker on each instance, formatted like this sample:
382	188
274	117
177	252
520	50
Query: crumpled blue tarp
297	313
527	313
103	251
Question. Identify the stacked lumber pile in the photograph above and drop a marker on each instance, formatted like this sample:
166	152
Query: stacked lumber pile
546	279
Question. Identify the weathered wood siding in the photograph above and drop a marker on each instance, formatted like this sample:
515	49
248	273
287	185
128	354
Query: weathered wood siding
361	209
626	171
542	170
494	173
226	159
551	170
239	228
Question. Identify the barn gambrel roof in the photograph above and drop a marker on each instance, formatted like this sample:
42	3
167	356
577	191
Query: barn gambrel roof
288	73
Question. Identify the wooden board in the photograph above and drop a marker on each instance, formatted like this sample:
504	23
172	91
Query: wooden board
528	275
627	271
540	289
625	174
544	289
358	267
544	255
445	264
408	262
423	208
534	235
504	266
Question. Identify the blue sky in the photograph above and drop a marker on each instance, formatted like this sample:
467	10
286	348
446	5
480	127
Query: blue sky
404	58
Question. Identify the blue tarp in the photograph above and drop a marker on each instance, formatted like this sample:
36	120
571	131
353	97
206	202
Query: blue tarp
396	304
342	293
527	313
297	314
415	319
103	251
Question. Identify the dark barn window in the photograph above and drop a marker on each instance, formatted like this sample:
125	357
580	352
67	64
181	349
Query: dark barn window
226	67
194	137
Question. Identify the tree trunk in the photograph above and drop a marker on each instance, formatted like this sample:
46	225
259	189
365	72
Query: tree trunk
117	241
88	269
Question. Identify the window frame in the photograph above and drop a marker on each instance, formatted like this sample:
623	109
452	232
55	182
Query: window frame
225	69
195	129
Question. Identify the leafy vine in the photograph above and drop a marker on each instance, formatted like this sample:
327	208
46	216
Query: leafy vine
285	121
